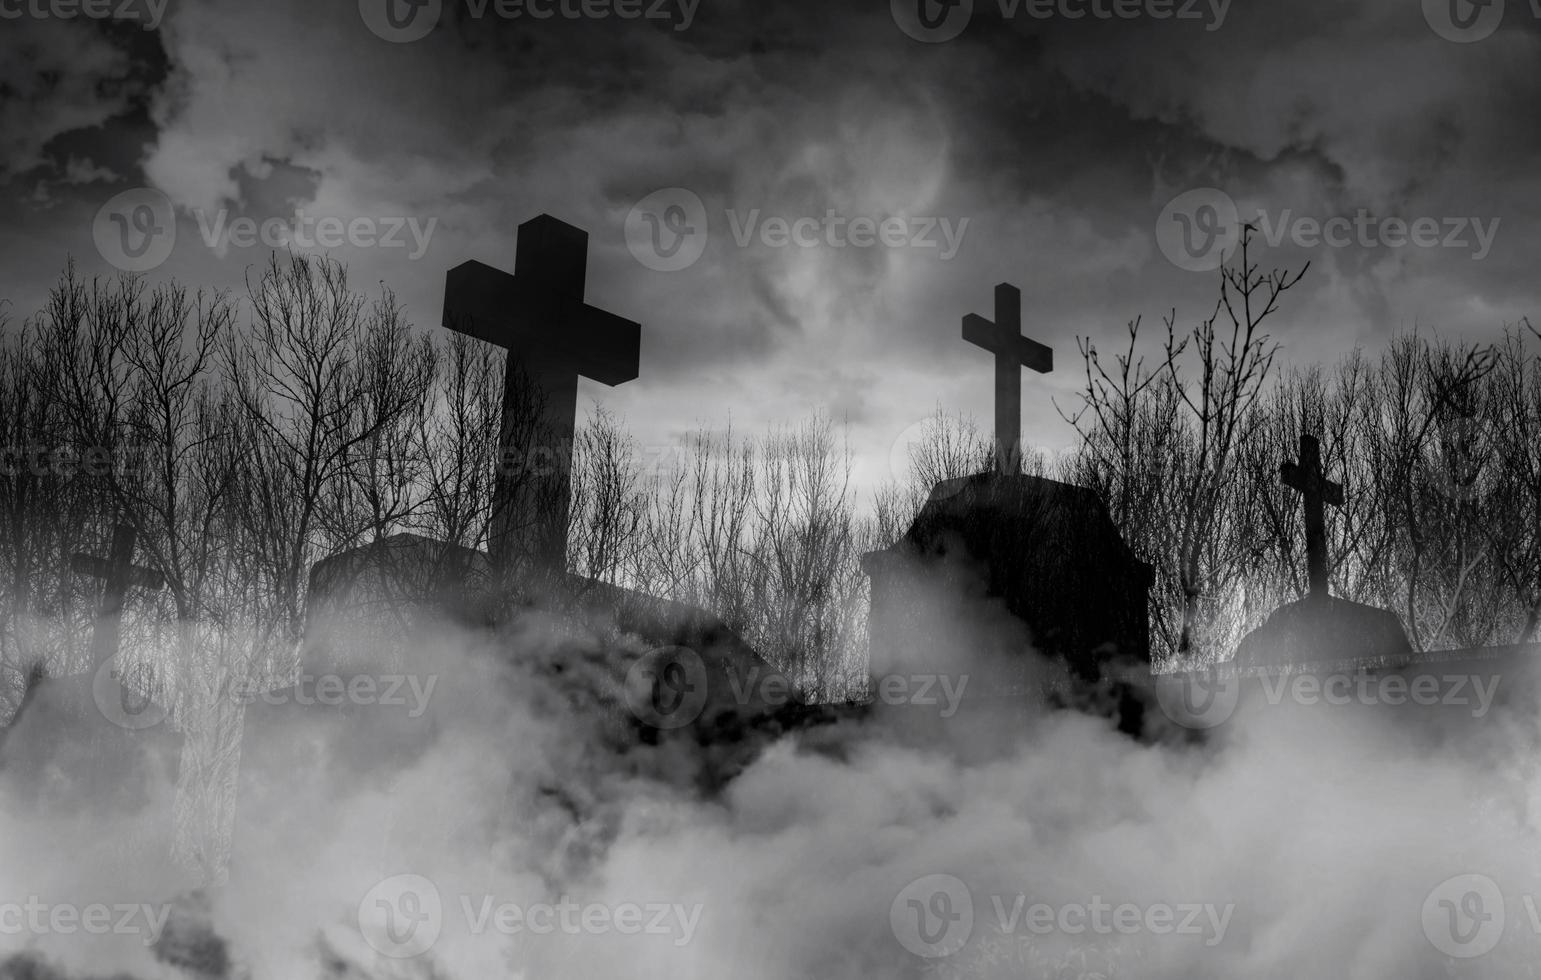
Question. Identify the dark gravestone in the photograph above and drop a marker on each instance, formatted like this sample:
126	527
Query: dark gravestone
117	572
372	614
1012	351
1044	553
370	607
615	673
630	669
363	604
553	337
362	708
640	668
1316	491
99	740
1320	627
96	746
371	610
88	772
998	565
1324	629
692	671
1340	661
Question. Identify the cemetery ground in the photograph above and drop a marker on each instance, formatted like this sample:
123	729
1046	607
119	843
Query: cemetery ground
326	685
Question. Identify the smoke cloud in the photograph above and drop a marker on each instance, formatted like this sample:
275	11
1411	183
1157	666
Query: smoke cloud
518	827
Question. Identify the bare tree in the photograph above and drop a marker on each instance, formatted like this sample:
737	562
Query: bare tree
668	557
723	486
608	504
46	505
1516	429
1233	359
382	482
1132	446
458	440
804	549
1449	593
322	381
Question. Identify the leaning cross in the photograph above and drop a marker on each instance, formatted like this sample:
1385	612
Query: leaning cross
1012	352
552	337
118	573
1307	477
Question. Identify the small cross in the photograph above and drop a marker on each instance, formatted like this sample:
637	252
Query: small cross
118	573
1307	477
1012	352
553	337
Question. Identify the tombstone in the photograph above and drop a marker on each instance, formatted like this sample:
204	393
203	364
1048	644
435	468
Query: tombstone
1012	351
99	743
1048	552
371	609
616	669
1340	663
552	338
1320	627
1001	564
640	670
363	604
117	572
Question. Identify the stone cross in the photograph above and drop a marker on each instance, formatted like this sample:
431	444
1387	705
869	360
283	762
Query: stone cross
118	573
552	337
1012	352
1307	477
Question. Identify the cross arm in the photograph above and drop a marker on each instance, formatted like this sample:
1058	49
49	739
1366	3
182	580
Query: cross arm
979	331
1027	352
1294	477
147	578
1035	356
518	314
1290	476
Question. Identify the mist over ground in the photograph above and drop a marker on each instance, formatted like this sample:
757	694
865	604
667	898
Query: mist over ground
1294	839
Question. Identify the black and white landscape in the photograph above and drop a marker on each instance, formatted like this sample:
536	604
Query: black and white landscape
702	488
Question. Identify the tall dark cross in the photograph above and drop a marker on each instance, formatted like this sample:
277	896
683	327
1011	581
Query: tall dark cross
553	337
118	573
1012	352
1307	477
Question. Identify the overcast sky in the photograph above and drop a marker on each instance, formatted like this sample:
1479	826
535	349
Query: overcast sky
1024	145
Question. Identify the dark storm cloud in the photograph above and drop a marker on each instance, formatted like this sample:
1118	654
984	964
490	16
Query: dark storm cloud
50	78
1047	145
